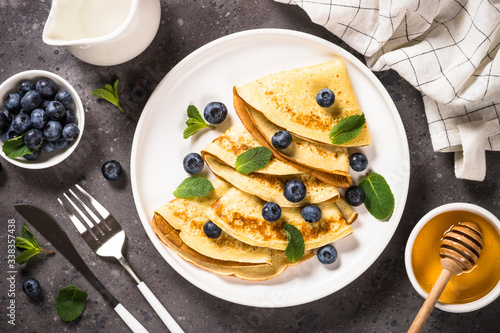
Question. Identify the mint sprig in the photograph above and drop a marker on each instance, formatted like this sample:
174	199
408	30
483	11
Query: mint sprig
194	186
296	247
16	147
195	122
110	93
28	245
252	160
379	200
347	129
70	302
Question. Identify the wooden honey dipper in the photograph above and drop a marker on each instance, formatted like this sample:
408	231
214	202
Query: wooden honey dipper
459	251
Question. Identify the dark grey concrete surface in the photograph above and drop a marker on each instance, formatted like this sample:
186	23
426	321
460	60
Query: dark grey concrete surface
381	300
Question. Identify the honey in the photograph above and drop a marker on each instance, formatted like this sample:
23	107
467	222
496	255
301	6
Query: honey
467	286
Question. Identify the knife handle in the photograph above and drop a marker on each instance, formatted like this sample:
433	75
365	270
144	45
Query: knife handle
134	325
160	309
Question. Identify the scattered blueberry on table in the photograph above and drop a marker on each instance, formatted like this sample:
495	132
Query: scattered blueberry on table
111	170
31	287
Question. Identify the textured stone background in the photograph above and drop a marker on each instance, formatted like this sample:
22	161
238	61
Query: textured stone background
381	300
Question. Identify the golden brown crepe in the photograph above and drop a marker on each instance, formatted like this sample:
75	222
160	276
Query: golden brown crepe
288	99
240	215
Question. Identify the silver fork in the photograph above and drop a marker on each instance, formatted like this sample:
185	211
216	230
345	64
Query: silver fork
106	238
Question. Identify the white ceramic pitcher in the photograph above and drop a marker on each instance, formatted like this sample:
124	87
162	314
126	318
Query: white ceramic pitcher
103	32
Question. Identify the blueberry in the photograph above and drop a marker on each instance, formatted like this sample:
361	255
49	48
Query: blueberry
281	139
139	87
358	162
31	287
70	118
24	87
21	123
65	98
70	132
215	113
53	130
55	110
9	133
111	170
34	155
212	230
325	98
271	212
10	115
311	213
61	143
4	121
193	163
33	138
46	87
354	195
294	190
44	104
48	146
38	119
31	100
13	102
327	254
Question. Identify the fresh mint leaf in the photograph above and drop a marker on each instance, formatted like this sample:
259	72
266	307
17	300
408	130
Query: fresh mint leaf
295	248
70	302
253	159
347	129
379	200
195	122
28	245
16	147
194	186
110	94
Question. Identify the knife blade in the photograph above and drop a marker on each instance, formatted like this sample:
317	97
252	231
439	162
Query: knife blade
50	229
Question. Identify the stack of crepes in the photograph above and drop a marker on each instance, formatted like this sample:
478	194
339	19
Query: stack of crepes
250	247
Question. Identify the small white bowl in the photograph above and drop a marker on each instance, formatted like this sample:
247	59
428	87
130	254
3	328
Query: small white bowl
58	155
457	308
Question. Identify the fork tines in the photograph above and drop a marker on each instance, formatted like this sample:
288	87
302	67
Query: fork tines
100	226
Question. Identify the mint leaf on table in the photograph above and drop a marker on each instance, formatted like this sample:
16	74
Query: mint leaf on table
253	159
347	129
295	248
28	245
195	122
379	200
70	302
194	186
16	147
110	93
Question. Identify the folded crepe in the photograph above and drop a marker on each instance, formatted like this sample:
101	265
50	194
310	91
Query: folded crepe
240	215
170	237
179	225
288	99
187	216
302	158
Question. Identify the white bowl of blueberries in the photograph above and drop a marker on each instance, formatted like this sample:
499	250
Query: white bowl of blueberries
41	119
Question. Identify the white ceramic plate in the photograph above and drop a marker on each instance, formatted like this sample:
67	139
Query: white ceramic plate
207	75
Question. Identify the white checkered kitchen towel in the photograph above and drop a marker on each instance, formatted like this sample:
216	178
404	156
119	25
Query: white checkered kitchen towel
447	49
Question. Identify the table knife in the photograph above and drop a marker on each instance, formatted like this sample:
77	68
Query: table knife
49	229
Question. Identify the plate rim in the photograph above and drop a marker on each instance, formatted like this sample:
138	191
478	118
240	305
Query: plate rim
398	211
